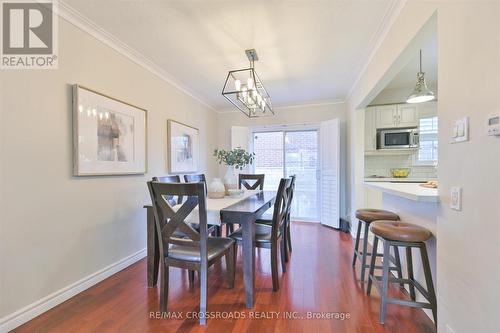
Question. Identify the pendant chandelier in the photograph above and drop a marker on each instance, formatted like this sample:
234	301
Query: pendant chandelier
244	89
421	93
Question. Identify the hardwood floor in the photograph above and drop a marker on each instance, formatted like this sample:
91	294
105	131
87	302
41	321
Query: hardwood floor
319	278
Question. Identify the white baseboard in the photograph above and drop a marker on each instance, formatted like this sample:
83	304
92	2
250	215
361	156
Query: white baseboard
33	310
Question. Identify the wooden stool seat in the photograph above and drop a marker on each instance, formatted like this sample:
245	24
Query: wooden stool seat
369	215
400	231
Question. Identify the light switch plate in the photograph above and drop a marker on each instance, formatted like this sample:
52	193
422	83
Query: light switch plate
460	130
456	198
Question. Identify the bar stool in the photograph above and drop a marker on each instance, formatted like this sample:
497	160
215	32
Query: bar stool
397	233
365	217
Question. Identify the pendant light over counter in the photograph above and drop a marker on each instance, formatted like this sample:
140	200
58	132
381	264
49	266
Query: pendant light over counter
421	93
244	89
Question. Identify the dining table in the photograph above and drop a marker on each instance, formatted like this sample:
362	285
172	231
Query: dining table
244	210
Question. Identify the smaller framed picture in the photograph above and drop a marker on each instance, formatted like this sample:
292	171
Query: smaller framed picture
183	147
109	135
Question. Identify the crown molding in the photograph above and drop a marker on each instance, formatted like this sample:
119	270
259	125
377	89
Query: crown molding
311	104
378	37
82	22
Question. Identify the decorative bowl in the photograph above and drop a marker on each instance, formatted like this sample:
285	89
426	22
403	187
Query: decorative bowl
400	172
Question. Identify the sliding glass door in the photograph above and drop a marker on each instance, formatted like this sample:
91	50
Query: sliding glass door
286	153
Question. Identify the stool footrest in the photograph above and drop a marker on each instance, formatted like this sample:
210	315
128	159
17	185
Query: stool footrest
412	304
360	254
378	279
392	268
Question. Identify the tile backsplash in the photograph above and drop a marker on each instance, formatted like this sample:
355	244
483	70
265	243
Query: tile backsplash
381	165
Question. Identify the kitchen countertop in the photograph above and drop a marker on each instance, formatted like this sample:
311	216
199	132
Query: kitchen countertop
399	180
411	191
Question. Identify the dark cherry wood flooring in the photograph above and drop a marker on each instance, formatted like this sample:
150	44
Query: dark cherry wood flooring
319	279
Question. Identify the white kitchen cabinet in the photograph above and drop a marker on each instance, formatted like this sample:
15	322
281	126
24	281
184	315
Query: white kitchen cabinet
370	130
386	116
396	116
407	116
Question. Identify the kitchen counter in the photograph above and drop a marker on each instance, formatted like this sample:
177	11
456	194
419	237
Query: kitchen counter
411	191
399	180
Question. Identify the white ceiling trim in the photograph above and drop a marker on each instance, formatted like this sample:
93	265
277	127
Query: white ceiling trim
74	17
378	37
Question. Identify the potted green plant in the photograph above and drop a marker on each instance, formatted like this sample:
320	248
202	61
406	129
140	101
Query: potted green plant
234	159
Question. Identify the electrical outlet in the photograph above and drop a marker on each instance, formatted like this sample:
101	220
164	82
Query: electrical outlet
456	198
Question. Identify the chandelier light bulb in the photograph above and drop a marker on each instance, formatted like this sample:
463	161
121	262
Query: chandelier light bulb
244	93
250	83
237	85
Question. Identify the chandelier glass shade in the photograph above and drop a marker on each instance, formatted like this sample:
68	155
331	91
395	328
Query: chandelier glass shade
244	89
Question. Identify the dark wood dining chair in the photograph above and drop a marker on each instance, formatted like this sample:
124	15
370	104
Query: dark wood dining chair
196	179
173	201
170	179
257	178
197	251
271	236
287	235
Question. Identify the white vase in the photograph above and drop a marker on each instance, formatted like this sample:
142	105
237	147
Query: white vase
216	189
230	179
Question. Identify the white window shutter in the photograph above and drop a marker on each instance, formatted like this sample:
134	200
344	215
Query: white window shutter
330	173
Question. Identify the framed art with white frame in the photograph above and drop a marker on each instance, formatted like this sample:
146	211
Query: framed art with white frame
182	147
109	135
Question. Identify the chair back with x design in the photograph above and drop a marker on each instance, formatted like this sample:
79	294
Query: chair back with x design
280	207
244	178
170	222
290	190
170	179
196	179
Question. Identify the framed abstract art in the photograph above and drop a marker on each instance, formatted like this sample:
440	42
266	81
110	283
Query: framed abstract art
109	135
182	147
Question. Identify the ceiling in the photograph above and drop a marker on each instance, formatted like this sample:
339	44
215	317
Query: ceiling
310	50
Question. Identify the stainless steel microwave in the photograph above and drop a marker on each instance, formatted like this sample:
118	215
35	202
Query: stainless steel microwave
397	138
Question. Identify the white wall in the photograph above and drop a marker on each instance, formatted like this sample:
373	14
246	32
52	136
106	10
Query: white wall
469	64
314	113
56	228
